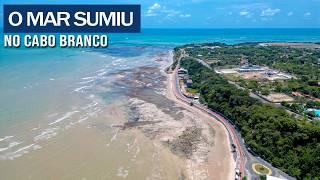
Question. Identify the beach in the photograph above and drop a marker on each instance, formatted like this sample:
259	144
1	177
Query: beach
188	133
220	163
110	113
145	129
89	141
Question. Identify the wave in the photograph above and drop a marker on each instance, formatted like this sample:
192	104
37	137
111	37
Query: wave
81	88
100	70
6	137
17	153
11	145
86	82
89	77
102	73
46	134
66	116
90	105
23	148
82	119
94	113
114	137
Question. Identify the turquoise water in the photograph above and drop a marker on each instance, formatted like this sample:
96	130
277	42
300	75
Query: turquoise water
46	86
171	37
316	111
23	68
28	75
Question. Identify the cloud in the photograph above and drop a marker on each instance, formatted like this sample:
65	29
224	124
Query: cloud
290	14
150	13
152	9
307	14
170	12
269	12
246	14
198	1
243	13
248	6
185	15
157	9
155	6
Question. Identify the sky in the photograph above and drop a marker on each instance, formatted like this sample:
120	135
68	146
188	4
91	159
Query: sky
213	13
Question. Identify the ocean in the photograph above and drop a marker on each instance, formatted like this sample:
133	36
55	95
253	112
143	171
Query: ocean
59	107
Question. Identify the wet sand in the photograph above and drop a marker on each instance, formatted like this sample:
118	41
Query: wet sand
97	151
142	132
188	133
220	163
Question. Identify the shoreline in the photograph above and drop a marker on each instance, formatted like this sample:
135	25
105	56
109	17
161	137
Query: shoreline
219	129
191	135
219	133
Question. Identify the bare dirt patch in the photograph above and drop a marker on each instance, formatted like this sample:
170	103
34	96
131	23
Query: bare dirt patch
293	45
278	98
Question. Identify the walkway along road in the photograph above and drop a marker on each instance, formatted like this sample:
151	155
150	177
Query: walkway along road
240	159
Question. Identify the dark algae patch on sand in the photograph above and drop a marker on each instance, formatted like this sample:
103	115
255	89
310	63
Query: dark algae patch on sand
187	142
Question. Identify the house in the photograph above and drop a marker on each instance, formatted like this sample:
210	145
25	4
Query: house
182	71
189	83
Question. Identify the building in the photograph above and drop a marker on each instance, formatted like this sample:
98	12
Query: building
271	73
182	71
189	83
250	68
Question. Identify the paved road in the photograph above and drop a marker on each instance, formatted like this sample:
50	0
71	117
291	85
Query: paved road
244	158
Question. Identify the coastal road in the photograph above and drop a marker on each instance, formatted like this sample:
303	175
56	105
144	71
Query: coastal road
240	159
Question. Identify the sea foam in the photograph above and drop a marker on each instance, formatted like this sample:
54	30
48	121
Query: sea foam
66	116
46	134
6	137
12	144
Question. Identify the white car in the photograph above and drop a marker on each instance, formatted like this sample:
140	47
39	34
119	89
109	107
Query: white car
238	174
238	171
237	177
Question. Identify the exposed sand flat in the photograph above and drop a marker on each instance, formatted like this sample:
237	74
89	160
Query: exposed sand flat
179	135
94	150
189	133
219	163
171	140
293	45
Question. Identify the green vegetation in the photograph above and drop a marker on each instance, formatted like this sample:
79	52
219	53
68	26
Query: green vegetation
303	63
295	107
192	91
261	169
256	86
289	143
176	57
263	178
